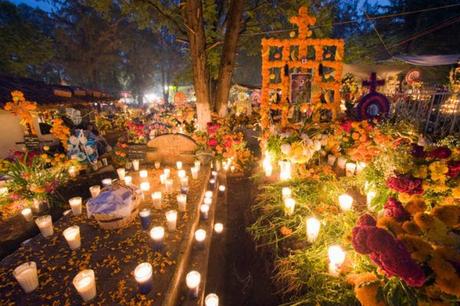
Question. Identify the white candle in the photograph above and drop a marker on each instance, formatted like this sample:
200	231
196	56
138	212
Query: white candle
197	165
218	165
179	165
121	173
289	204
192	280
350	169
312	226
211	300
156	199
345	202
285	170
72	235
85	284
232	168
73	172
222	188
145	186
369	197
27	214
168	185
75	204
181	173
163	178
128	180
182	202
106	182
184	182
207	201
194	171
157	165
95	190
360	166
157	233
143	275
45	224
268	169
341	161
267	164
204	209
208	194
167	172
212	181
171	220
136	165
331	159
143	174
286	192
27	277
336	259
218	228
200	236
214	173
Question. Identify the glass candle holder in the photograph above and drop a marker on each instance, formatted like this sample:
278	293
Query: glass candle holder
146	219
121	173
27	214
197	164
136	165
107	182
128	180
345	202
169	185
200	236
143	174
95	190
76	204
179	165
72	236
218	228
204	212
171	220
27	276
157	234
289	206
85	283
156	199
167	172
157	165
312	227
45	225
182	202
286	192
211	300
192	280
194	172
336	259
143	275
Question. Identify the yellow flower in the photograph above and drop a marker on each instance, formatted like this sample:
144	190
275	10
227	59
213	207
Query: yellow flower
438	171
421	172
456	192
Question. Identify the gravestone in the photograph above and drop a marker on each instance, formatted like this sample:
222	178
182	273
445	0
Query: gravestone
169	148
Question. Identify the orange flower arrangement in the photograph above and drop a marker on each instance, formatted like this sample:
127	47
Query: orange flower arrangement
23	109
60	131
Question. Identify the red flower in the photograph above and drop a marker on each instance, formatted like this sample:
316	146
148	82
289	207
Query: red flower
393	208
454	169
405	184
212	142
228	142
213	128
346	126
440	153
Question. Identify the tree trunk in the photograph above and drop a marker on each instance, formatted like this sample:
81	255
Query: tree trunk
195	32
227	63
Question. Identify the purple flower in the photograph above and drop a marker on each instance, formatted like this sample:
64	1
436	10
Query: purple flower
393	208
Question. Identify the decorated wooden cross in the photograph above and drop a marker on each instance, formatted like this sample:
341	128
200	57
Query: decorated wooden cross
373	104
372	83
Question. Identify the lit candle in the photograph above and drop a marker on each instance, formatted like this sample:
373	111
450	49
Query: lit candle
181	173
214	173
106	182
143	174
331	159
171	220
85	284
45	224
268	169
218	228
73	172
184	181
27	276
27	214
145	217
157	165
200	236
182	202
336	258
312	226
350	169
360	166
168	185
157	234
207	201
345	202
145	186
121	173
222	188
194	171
286	192
369	197
204	209
143	275
167	172
341	162
285	170
289	204
197	165
136	165
95	190
232	168
212	182
75	205
156	199
211	300
72	235
128	180
179	165
192	280
163	178
218	165
208	194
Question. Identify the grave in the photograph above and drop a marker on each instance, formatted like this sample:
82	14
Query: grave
169	148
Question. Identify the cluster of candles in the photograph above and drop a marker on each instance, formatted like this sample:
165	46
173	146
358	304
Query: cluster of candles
350	168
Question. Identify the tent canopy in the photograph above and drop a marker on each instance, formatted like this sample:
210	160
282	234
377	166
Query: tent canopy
428	60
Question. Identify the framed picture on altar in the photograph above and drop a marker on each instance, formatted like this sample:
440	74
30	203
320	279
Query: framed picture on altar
300	84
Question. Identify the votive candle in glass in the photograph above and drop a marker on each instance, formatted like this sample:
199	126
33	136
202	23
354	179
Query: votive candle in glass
208	194
179	165
106	182
76	204
182	202
95	190
350	169
214	173
194	171
184	182
143	174
286	192
345	202
192	280
204	210
218	228
73	171
157	165
163	178
171	220
336	259
331	159
289	204
370	195
168	185
136	165
72	236
222	188
197	164
27	276
167	172
200	236
157	234
85	283
156	199
128	180
207	201
27	214
45	224
211	300
181	173
143	275
121	173
145	186
341	162
212	182
312	227
145	217
360	166
285	170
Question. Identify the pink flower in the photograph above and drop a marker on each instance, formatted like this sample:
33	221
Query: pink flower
212	142
405	184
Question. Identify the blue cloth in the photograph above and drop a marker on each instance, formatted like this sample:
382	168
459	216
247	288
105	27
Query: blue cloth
116	201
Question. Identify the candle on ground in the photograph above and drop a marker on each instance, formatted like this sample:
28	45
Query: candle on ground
162	178
75	205
345	202
85	284
106	182
341	162
331	159
360	166
45	224
169	185
145	217
204	209
289	204
143	275
218	228
222	188
350	169
286	192
73	172
157	234
27	277
369	197
336	258
197	164
312	226
136	165
95	190
145	186
194	171
212	182
143	174
184	182
182	202
156	199
181	174
192	280
179	165
171	220
214	173
128	180
167	172
27	214
72	235
157	165
211	300
285	170
121	173
200	236
208	194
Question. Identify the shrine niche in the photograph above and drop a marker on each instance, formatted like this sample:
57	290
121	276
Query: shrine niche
300	76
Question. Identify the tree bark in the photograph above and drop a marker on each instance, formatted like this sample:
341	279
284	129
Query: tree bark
196	35
227	63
